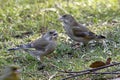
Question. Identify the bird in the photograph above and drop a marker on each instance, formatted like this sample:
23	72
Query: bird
12	72
40	47
76	31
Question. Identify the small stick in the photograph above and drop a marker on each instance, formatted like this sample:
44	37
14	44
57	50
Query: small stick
75	75
91	73
104	73
52	76
88	71
91	70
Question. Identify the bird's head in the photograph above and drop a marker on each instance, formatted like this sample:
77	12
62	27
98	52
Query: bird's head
67	19
51	35
13	69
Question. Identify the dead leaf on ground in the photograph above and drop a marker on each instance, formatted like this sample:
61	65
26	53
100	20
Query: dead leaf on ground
100	63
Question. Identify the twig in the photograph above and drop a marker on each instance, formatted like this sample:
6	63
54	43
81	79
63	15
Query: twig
91	70
98	73
60	8
104	73
56	66
88	71
75	75
52	76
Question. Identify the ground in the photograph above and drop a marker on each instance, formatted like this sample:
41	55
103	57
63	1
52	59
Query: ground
22	21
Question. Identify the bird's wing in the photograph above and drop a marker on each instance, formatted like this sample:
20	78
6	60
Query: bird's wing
51	47
34	53
85	34
40	44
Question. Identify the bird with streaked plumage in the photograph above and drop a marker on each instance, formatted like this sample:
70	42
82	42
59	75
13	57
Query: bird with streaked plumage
43	46
77	31
12	72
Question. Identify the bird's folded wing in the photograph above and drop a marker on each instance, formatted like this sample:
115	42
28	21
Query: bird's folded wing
40	44
80	33
51	47
34	52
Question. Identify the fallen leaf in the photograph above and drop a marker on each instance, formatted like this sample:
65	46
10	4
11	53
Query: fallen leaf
100	63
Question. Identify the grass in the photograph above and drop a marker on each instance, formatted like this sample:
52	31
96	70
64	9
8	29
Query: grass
19	16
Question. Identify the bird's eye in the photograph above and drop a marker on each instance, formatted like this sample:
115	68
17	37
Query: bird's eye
14	69
51	32
54	34
64	15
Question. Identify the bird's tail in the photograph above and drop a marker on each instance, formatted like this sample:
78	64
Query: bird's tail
15	48
100	37
24	46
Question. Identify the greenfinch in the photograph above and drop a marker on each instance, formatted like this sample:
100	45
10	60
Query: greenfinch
11	73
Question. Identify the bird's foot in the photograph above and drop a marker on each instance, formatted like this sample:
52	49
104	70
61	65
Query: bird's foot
76	45
79	46
41	66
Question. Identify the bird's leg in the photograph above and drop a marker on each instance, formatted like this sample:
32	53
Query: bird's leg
41	65
78	45
38	58
75	45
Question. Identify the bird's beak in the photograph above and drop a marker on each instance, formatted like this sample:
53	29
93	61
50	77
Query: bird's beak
18	71
55	35
60	18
